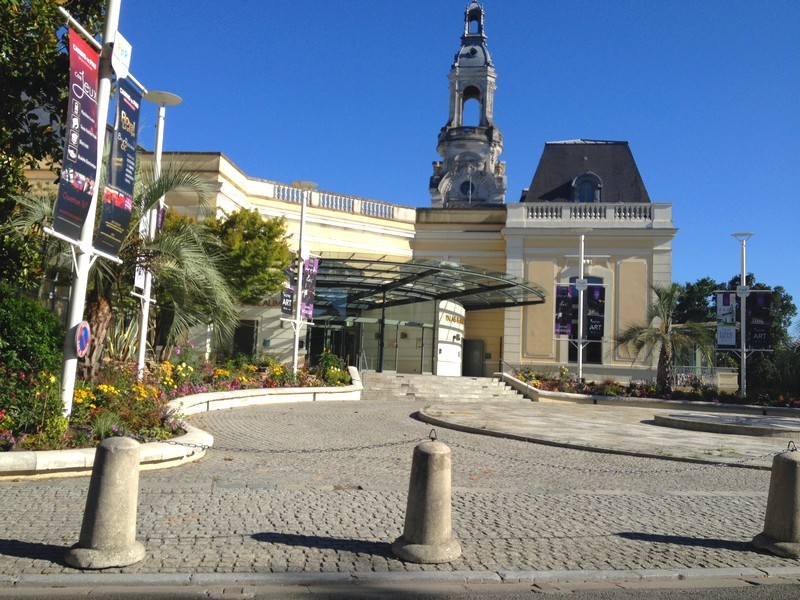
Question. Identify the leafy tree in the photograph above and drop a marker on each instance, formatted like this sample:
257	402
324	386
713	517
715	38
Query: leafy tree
664	335
186	262
768	373
256	254
34	69
697	302
191	284
30	336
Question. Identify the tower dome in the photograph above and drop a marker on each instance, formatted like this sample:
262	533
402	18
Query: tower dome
469	174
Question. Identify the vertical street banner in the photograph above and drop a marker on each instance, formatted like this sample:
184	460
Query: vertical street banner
595	312
564	301
115	216
726	319
758	320
310	268
287	301
79	168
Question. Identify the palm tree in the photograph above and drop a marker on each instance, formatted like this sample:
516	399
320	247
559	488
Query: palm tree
662	334
185	262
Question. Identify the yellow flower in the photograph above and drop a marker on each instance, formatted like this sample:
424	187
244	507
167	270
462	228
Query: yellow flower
52	378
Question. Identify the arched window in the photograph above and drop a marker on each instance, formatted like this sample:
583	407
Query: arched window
585	192
587	187
472	113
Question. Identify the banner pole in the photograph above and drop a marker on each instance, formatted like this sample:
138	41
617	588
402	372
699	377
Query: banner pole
83	250
298	294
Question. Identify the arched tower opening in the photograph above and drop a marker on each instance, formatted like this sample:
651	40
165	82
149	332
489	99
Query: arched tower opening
470	143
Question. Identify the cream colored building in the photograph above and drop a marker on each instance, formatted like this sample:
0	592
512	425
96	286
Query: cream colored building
627	249
471	284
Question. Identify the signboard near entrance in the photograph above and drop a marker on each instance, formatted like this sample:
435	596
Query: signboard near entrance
287	301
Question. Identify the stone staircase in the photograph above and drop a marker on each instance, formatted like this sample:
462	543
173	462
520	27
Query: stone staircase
434	388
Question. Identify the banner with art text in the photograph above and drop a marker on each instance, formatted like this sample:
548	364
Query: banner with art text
758	320
595	312
79	168
115	216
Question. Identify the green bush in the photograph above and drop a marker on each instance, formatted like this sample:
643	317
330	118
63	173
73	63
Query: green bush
332	369
31	338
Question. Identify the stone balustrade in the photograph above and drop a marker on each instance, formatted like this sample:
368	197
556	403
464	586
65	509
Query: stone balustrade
572	214
339	202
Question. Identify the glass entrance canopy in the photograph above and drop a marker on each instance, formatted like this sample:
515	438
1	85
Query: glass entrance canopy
348	285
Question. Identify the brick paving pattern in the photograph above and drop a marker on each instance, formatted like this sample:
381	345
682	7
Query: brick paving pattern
322	488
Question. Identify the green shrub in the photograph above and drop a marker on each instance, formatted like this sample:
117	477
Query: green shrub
105	424
332	369
31	338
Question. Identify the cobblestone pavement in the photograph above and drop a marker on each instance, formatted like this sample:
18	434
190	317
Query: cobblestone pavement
321	487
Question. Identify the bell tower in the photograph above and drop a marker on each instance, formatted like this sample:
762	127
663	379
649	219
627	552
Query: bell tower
469	174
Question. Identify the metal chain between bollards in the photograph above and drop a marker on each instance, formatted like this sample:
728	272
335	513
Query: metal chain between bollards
432	436
140	438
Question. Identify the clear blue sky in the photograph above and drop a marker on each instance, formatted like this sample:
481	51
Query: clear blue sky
351	95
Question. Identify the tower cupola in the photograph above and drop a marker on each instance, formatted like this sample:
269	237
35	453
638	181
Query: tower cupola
469	174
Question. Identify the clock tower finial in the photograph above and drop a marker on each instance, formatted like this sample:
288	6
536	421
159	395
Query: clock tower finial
470	143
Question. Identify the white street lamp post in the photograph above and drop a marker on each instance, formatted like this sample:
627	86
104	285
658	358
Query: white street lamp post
743	291
84	249
163	99
302	256
581	284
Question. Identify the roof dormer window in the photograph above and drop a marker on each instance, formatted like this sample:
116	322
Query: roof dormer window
586	187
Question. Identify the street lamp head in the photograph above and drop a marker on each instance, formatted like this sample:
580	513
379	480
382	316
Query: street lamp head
743	236
582	230
162	98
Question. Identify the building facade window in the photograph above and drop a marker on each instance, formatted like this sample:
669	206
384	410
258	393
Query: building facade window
587	187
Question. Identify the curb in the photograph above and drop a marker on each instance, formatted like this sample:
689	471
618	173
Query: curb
431	420
373	577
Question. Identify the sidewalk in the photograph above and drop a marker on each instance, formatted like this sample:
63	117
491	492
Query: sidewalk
315	493
616	429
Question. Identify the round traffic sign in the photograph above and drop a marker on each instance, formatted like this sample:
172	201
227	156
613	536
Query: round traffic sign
83	338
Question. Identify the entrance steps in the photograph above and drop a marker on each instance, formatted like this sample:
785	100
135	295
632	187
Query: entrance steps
436	388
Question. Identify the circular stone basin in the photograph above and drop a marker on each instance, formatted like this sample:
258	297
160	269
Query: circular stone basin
731	424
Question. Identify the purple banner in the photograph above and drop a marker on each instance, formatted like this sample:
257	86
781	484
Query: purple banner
79	168
595	312
310	268
564	301
115	216
758	320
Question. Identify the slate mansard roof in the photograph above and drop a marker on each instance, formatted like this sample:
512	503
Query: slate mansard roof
563	162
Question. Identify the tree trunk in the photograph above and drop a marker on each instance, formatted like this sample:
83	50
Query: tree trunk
665	366
98	314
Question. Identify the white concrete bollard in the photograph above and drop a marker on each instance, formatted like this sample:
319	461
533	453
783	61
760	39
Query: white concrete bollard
781	535
108	532
427	535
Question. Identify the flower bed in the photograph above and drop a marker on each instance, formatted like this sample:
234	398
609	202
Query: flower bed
119	403
564	382
184	448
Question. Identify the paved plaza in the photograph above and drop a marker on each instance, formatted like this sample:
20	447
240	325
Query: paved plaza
321	488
